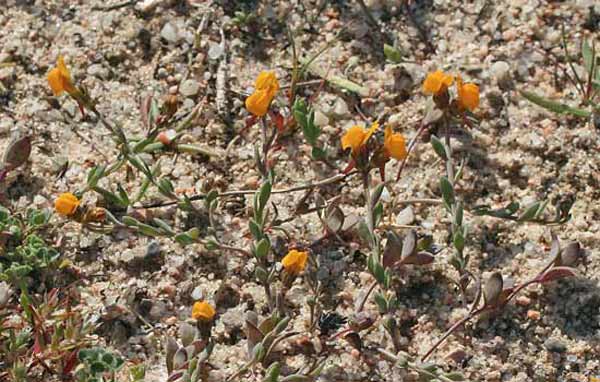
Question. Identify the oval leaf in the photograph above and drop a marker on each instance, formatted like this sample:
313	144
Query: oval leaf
393	250
410	244
493	289
571	255
556	273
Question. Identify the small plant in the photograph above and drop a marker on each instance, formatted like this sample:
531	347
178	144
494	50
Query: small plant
305	118
186	360
23	252
496	293
96	364
42	337
588	87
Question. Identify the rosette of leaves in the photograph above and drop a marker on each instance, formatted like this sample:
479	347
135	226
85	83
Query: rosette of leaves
24	252
186	360
96	364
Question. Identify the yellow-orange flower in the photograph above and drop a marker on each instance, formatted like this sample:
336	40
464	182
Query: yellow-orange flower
356	137
59	79
437	82
394	145
203	311
295	261
66	204
265	89
468	95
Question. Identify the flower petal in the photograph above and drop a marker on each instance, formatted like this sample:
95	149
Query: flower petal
394	144
66	204
295	261
353	138
55	81
258	102
468	95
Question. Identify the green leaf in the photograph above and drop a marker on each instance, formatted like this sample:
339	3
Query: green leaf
272	373
165	186
336	81
255	230
588	58
530	212
95	175
377	214
123	195
459	241
455	376
264	195
211	197
164	226
381	302
554	106
305	117
110	197
379	272
376	194
129	221
447	192
148	230
262	248
184	238
458	214
392	54
371	263
261	274
318	153
438	147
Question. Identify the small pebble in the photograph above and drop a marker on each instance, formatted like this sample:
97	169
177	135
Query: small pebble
555	345
533	315
189	88
523	301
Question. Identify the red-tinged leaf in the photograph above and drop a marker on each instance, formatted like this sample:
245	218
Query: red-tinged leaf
82	109
419	258
556	273
70	363
350	167
175	376
382	172
251	121
278	120
504	295
37	347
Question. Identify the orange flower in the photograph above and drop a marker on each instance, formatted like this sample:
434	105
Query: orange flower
265	89
295	261
66	204
468	95
203	311
59	79
437	82
356	137
394	145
